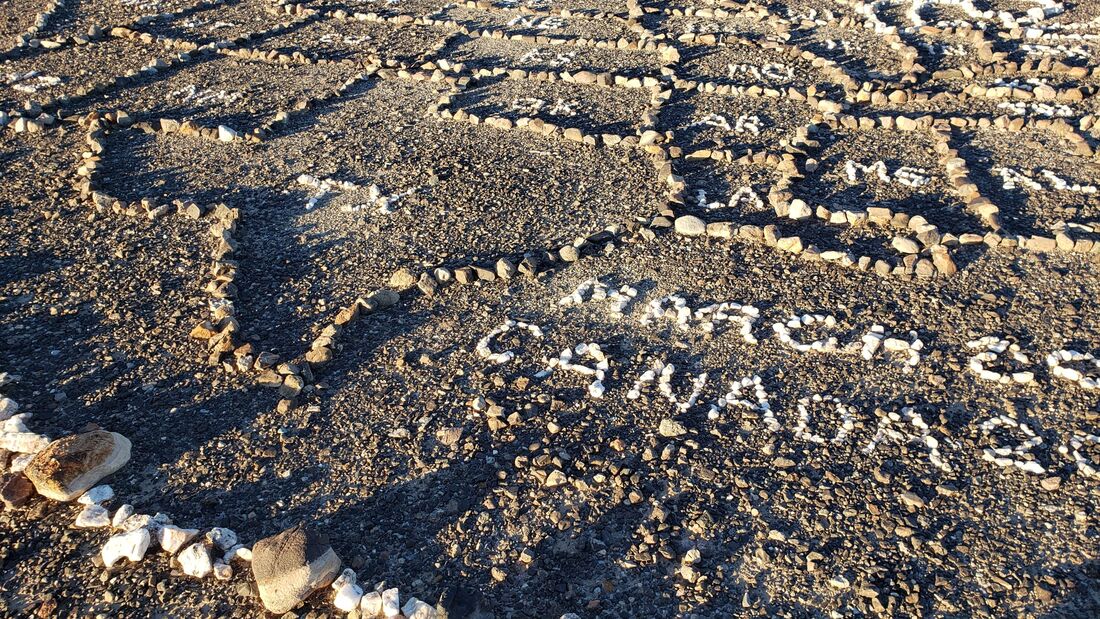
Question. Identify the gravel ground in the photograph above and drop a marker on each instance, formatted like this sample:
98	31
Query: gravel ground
529	488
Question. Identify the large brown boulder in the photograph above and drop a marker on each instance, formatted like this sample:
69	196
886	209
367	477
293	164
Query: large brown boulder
291	565
69	466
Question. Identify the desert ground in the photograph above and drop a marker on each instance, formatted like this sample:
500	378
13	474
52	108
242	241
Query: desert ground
549	308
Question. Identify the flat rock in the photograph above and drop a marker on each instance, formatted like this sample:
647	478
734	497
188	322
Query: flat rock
69	466
690	225
291	565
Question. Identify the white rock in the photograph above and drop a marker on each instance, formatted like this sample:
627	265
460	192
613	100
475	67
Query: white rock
240	553
23	442
226	134
97	495
138	521
346	577
93	517
16	423
348	597
417	609
195	561
20	462
130	545
171	538
371	605
221	537
799	210
391	602
8	407
122	515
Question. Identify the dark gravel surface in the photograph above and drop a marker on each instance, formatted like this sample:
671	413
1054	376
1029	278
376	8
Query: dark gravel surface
434	470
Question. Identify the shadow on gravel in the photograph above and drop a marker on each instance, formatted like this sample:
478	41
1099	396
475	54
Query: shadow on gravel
294	441
1084	601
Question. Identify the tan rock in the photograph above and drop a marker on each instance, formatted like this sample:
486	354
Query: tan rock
291	566
402	279
69	466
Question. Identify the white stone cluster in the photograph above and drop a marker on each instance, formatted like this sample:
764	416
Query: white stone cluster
759	402
324	186
1065	31
675	308
198	557
710	316
1045	10
1046	110
1066	51
485	352
564	361
14	434
677	311
802	427
378	602
548	57
794	323
595	290
1011	178
772	71
841	44
869	12
877	339
1028	84
708	27
345	39
909	421
532	106
744	196
1034	15
31	81
1058	359
912	177
94	515
905	175
1012	456
1061	184
538	23
745	123
662	374
1077	444
990	350
380	202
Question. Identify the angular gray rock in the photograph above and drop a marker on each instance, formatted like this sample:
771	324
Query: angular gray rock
291	565
69	466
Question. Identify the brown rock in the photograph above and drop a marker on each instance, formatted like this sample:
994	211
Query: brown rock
291	565
69	466
402	279
15	490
